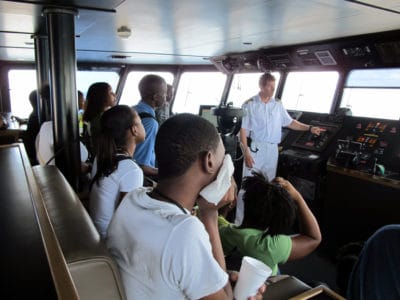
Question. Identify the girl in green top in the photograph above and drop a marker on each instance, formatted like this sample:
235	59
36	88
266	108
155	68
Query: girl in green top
269	212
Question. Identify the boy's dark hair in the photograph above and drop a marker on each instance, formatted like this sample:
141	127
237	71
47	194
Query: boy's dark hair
266	77
180	141
150	85
267	206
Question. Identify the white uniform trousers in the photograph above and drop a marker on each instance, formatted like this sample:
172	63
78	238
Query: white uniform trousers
265	159
266	162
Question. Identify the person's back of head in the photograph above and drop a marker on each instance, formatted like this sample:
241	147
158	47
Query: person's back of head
267	206
97	98
116	124
180	141
376	274
150	85
45	92
33	99
81	101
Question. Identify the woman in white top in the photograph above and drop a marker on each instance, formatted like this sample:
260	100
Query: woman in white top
114	171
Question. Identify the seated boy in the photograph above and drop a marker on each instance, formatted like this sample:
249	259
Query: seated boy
164	252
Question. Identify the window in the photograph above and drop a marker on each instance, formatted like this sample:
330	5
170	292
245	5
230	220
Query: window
21	83
130	95
245	86
19	93
373	93
310	91
198	88
84	79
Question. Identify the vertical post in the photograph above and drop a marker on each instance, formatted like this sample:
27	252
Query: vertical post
43	75
61	37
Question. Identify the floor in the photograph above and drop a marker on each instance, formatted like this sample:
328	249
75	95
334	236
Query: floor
314	269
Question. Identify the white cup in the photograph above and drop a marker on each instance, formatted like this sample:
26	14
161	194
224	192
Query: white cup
252	275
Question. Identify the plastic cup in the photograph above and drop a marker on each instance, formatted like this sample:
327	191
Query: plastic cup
252	275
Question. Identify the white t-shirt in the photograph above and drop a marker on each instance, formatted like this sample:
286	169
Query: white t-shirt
45	145
161	252
105	195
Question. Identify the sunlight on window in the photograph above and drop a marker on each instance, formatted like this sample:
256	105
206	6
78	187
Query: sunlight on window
373	93
310	91
130	95
21	83
84	79
198	88
244	86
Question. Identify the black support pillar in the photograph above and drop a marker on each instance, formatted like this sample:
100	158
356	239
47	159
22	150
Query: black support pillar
61	37
43	74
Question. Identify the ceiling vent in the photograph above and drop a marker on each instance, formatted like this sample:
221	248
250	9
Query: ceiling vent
325	58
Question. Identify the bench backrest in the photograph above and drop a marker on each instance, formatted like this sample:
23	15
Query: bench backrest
94	272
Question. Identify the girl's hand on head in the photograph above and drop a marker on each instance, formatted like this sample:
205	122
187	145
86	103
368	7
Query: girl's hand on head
287	186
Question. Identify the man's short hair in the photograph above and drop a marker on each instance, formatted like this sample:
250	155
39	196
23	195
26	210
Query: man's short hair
180	141
149	85
266	77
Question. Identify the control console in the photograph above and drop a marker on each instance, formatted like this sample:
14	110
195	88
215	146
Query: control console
369	145
317	143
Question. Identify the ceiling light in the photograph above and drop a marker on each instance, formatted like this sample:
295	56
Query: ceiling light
124	32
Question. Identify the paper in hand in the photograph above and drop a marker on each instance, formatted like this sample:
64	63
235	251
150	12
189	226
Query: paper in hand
214	192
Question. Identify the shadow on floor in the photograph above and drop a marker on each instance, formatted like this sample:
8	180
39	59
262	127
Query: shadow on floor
313	269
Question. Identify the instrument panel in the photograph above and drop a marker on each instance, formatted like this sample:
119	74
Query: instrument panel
310	141
369	145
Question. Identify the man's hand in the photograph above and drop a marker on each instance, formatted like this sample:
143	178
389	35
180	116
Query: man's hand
248	159
316	130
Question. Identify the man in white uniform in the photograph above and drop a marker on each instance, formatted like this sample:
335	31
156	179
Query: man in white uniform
264	117
163	252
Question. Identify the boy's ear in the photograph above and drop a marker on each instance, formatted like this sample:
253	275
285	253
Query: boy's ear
209	163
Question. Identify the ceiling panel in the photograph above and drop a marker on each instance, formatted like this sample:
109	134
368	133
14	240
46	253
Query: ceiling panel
176	31
89	4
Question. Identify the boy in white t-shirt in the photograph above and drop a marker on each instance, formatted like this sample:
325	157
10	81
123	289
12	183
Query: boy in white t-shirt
163	252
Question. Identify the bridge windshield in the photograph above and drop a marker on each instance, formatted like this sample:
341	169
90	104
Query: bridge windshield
373	93
310	91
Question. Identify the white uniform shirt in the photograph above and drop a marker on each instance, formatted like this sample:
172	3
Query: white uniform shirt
265	120
161	252
105	195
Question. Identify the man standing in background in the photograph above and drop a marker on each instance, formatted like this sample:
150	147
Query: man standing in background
264	117
153	91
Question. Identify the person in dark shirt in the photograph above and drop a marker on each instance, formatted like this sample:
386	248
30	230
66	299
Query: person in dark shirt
32	129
